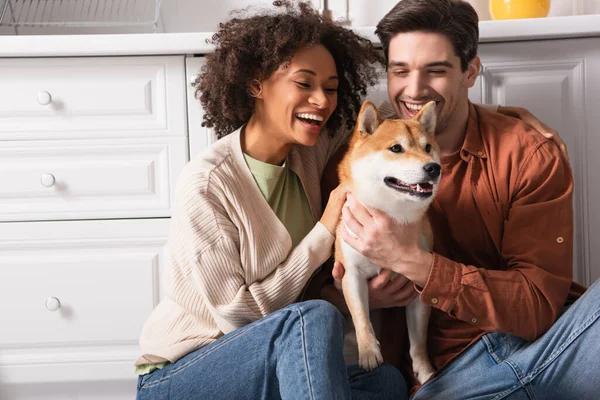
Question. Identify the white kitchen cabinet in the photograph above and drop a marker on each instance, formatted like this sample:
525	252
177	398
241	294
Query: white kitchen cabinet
73	298
91	98
90	152
85	179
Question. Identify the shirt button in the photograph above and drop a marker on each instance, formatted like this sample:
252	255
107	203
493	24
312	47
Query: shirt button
480	153
473	320
560	239
434	300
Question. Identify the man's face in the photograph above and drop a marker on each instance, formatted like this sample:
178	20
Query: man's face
423	67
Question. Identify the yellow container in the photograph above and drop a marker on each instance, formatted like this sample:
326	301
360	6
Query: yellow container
515	9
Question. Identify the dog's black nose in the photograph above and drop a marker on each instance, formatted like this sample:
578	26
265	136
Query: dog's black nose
432	169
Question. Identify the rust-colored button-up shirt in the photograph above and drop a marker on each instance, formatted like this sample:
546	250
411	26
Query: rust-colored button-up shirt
503	229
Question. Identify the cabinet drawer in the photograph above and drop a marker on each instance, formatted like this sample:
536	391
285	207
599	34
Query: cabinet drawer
49	180
76	293
66	98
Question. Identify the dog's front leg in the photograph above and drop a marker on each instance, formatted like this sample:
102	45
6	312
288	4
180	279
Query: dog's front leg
417	321
356	293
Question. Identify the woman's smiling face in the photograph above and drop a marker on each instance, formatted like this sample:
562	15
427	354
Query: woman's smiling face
297	100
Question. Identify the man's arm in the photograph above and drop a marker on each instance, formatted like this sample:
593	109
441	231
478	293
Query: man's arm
527	297
537	246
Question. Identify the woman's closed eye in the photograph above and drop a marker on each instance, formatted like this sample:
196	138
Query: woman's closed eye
303	85
306	85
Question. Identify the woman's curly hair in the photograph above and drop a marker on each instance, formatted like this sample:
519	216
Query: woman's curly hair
254	47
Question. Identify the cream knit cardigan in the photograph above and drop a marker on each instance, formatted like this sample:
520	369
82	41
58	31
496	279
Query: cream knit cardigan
230	260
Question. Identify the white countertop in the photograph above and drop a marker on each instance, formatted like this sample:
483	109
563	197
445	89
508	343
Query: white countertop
195	43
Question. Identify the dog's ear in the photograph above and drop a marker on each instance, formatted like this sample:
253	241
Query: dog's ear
427	117
368	118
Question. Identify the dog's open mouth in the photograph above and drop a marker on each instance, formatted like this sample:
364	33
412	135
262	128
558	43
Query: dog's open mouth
423	190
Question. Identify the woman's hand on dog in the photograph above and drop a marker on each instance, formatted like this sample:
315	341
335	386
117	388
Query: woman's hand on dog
385	290
333	210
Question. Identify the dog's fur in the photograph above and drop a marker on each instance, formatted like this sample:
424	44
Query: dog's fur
375	172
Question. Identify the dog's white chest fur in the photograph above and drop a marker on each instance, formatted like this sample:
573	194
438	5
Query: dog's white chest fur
356	263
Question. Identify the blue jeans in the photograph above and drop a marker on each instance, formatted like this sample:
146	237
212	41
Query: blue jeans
563	364
293	353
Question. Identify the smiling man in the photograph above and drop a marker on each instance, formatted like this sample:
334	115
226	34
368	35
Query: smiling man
505	323
423	66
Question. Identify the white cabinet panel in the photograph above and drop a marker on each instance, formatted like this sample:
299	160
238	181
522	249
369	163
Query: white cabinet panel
200	137
65	98
554	80
104	277
44	180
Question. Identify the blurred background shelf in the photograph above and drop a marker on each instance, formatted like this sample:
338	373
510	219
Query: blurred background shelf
79	13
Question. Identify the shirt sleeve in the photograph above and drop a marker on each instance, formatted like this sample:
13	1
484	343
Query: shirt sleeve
208	243
537	246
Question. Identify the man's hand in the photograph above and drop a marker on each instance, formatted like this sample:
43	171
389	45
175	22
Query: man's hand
526	116
386	290
384	242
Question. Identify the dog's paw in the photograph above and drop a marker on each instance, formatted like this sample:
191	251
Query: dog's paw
422	370
369	356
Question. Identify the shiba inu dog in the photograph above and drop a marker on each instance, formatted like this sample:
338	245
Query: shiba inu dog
392	166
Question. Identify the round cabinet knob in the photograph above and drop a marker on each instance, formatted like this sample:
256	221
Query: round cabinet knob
52	303
193	78
48	180
44	98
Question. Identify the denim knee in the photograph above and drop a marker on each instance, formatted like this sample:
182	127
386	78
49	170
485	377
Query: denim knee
324	311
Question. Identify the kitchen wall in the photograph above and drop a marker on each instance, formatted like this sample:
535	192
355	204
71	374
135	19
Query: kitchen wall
204	15
189	15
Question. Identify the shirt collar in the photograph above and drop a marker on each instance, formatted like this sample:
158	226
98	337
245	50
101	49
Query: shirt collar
473	144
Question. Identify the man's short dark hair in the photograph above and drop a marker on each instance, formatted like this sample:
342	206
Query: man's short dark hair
456	19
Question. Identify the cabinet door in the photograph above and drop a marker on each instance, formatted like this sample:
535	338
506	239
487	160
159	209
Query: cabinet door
200	137
74	297
84	179
91	98
557	80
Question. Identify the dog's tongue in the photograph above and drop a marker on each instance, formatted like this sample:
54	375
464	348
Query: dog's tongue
422	187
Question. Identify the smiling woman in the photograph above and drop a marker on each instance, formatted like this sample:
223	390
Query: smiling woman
248	230
249	49
293	105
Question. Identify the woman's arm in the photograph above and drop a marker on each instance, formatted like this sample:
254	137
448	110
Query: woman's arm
206	245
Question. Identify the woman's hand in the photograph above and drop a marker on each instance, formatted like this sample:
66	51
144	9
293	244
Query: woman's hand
333	211
524	115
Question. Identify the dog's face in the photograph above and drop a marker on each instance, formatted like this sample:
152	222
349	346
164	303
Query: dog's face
397	159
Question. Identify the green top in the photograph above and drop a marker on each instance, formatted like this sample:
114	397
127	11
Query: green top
282	189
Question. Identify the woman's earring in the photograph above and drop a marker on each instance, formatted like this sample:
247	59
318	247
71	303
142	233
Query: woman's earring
259	90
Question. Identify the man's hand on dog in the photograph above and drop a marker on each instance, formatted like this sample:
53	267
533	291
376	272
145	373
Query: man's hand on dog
385	290
384	242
